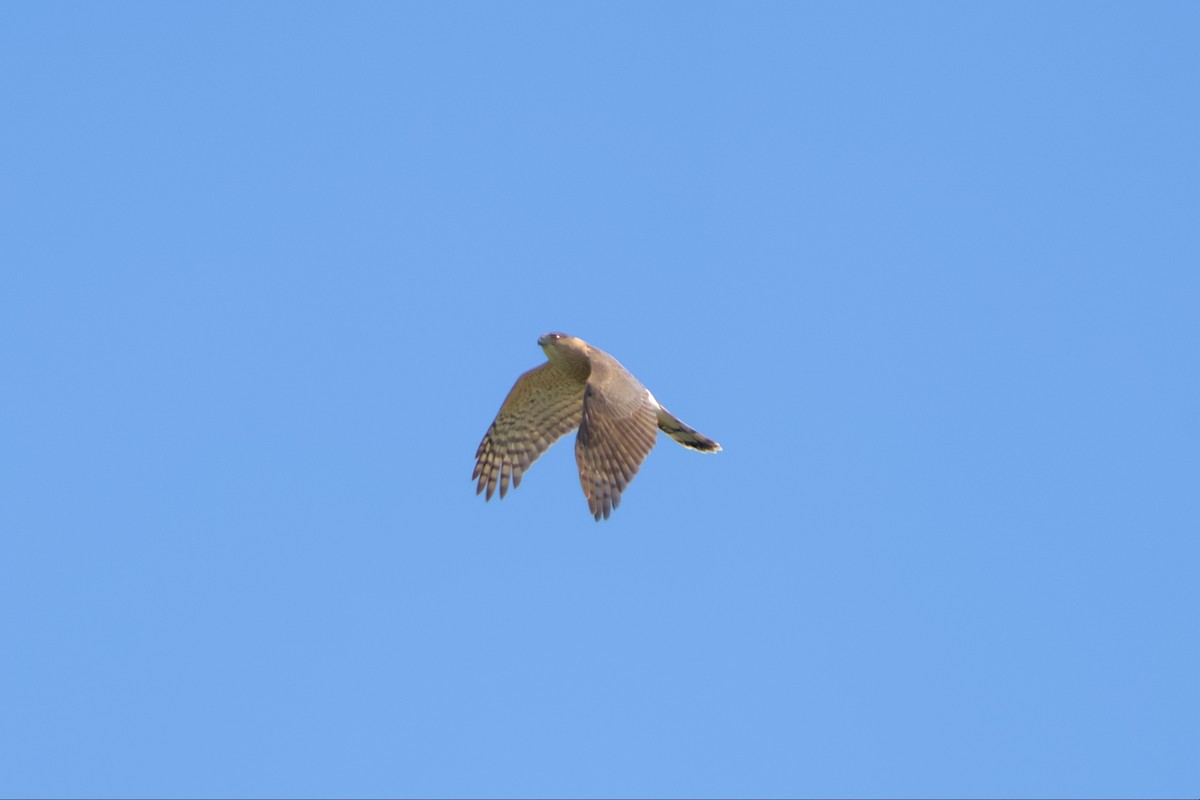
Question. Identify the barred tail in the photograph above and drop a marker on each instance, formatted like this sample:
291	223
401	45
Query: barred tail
681	432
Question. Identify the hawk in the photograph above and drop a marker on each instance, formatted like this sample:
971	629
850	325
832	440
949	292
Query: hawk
582	387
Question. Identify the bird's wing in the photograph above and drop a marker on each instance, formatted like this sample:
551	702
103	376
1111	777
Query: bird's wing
543	405
616	433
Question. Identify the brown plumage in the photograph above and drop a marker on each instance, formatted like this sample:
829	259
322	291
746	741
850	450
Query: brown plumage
579	387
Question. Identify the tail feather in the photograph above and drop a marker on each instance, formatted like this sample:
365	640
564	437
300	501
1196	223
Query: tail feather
687	436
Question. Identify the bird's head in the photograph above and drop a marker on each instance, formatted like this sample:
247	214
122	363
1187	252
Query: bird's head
553	339
561	347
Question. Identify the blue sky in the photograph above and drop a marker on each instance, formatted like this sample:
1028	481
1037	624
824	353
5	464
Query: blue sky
927	271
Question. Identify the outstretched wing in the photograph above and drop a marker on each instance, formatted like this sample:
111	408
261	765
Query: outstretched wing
616	433
543	405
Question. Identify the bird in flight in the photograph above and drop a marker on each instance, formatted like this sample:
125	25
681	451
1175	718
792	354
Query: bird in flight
582	387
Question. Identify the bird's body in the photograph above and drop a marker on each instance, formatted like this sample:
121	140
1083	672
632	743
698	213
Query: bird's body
582	387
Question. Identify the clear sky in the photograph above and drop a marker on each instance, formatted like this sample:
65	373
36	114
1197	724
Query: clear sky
929	272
